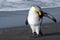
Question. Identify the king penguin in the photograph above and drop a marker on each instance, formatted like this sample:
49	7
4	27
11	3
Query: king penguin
34	19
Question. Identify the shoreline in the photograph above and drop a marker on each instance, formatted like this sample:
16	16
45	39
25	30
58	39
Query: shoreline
43	24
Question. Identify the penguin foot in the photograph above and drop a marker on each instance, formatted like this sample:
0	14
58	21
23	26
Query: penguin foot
35	35
38	35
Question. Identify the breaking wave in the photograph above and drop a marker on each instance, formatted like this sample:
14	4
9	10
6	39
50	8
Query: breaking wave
25	5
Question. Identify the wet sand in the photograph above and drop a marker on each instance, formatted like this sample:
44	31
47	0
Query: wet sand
51	31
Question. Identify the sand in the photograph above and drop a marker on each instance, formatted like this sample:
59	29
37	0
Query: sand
51	31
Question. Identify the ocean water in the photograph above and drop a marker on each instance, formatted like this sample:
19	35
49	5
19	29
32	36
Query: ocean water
12	5
17	18
14	13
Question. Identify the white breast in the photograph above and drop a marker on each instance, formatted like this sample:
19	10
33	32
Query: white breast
33	17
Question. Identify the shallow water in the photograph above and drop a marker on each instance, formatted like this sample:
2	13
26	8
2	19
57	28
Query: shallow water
17	18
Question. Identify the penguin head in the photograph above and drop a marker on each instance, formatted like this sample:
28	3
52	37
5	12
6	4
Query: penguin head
36	9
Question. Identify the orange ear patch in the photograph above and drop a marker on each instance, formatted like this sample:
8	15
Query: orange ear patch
39	13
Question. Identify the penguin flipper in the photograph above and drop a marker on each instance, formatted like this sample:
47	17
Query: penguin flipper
50	17
26	22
